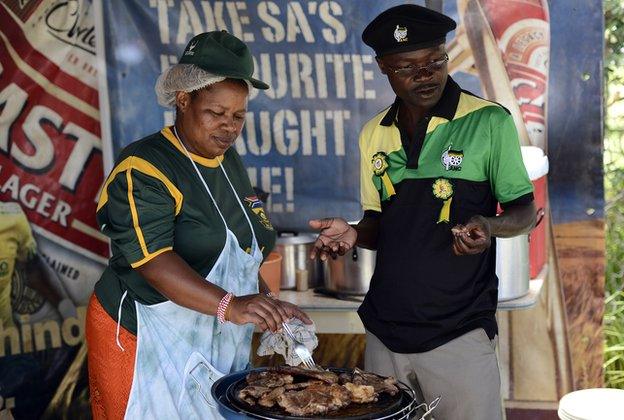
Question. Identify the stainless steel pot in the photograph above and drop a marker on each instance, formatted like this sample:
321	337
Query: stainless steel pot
350	273
295	250
512	264
512	267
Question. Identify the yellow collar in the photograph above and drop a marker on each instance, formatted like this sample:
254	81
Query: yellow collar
211	163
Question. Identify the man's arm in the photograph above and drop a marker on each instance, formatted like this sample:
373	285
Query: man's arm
368	230
476	236
515	220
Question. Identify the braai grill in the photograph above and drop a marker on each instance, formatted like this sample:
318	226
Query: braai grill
402	405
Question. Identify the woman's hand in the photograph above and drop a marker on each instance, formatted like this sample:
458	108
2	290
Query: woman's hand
336	237
264	311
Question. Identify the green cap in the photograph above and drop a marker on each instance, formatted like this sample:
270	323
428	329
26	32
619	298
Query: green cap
222	54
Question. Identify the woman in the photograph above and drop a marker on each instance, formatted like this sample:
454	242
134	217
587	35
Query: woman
177	304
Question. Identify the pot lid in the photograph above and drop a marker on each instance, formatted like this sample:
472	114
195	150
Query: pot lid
295	238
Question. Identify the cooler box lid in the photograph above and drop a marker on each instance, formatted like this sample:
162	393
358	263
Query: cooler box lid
535	161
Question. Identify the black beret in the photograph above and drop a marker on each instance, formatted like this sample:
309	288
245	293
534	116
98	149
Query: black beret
407	27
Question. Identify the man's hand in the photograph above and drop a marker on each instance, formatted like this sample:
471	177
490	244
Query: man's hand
472	238
336	237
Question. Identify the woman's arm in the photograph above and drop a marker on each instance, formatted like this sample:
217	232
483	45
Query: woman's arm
262	286
177	281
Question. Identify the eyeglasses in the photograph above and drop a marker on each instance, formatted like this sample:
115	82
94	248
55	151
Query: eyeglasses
411	71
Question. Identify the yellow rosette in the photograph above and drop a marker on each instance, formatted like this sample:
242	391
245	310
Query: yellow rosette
443	190
380	166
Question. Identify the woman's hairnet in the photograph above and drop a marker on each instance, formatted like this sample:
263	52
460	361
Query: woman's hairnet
182	77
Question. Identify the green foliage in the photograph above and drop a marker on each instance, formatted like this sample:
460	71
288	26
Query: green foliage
614	193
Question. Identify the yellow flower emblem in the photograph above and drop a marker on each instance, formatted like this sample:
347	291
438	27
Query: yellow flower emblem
442	189
380	164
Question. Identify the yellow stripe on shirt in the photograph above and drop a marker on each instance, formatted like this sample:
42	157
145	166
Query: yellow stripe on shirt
135	215
143	166
208	162
150	256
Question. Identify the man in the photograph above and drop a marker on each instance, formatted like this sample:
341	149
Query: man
434	166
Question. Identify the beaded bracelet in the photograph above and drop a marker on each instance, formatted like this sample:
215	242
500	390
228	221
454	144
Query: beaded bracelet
269	294
223	304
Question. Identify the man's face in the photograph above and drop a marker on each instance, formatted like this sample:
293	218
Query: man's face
417	77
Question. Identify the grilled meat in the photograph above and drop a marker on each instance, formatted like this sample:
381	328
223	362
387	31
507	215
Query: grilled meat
345	377
361	394
320	374
301	385
313	392
270	398
269	378
251	393
318	398
379	383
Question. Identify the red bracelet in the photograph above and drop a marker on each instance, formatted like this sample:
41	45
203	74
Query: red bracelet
225	301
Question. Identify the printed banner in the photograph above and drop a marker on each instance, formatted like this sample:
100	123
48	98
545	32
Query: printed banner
300	140
51	252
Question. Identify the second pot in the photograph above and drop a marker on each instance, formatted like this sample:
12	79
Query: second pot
295	250
351	273
512	267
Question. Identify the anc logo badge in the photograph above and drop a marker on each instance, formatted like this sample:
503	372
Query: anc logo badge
380	163
255	205
400	33
452	159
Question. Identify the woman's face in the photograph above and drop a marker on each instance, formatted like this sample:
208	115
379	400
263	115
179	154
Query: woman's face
210	119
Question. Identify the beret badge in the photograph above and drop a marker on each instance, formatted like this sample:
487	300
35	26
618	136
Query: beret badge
400	33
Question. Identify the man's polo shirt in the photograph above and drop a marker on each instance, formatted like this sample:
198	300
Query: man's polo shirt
464	159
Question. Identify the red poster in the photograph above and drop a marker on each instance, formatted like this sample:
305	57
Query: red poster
51	252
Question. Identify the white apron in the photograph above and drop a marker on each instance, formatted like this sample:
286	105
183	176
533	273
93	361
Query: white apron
180	352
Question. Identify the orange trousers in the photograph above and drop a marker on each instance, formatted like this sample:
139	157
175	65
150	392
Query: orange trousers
110	368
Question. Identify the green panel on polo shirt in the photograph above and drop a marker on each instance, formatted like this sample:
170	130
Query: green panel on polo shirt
469	147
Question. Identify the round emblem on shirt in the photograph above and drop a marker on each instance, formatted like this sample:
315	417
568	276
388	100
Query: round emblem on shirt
255	205
442	189
452	159
380	164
